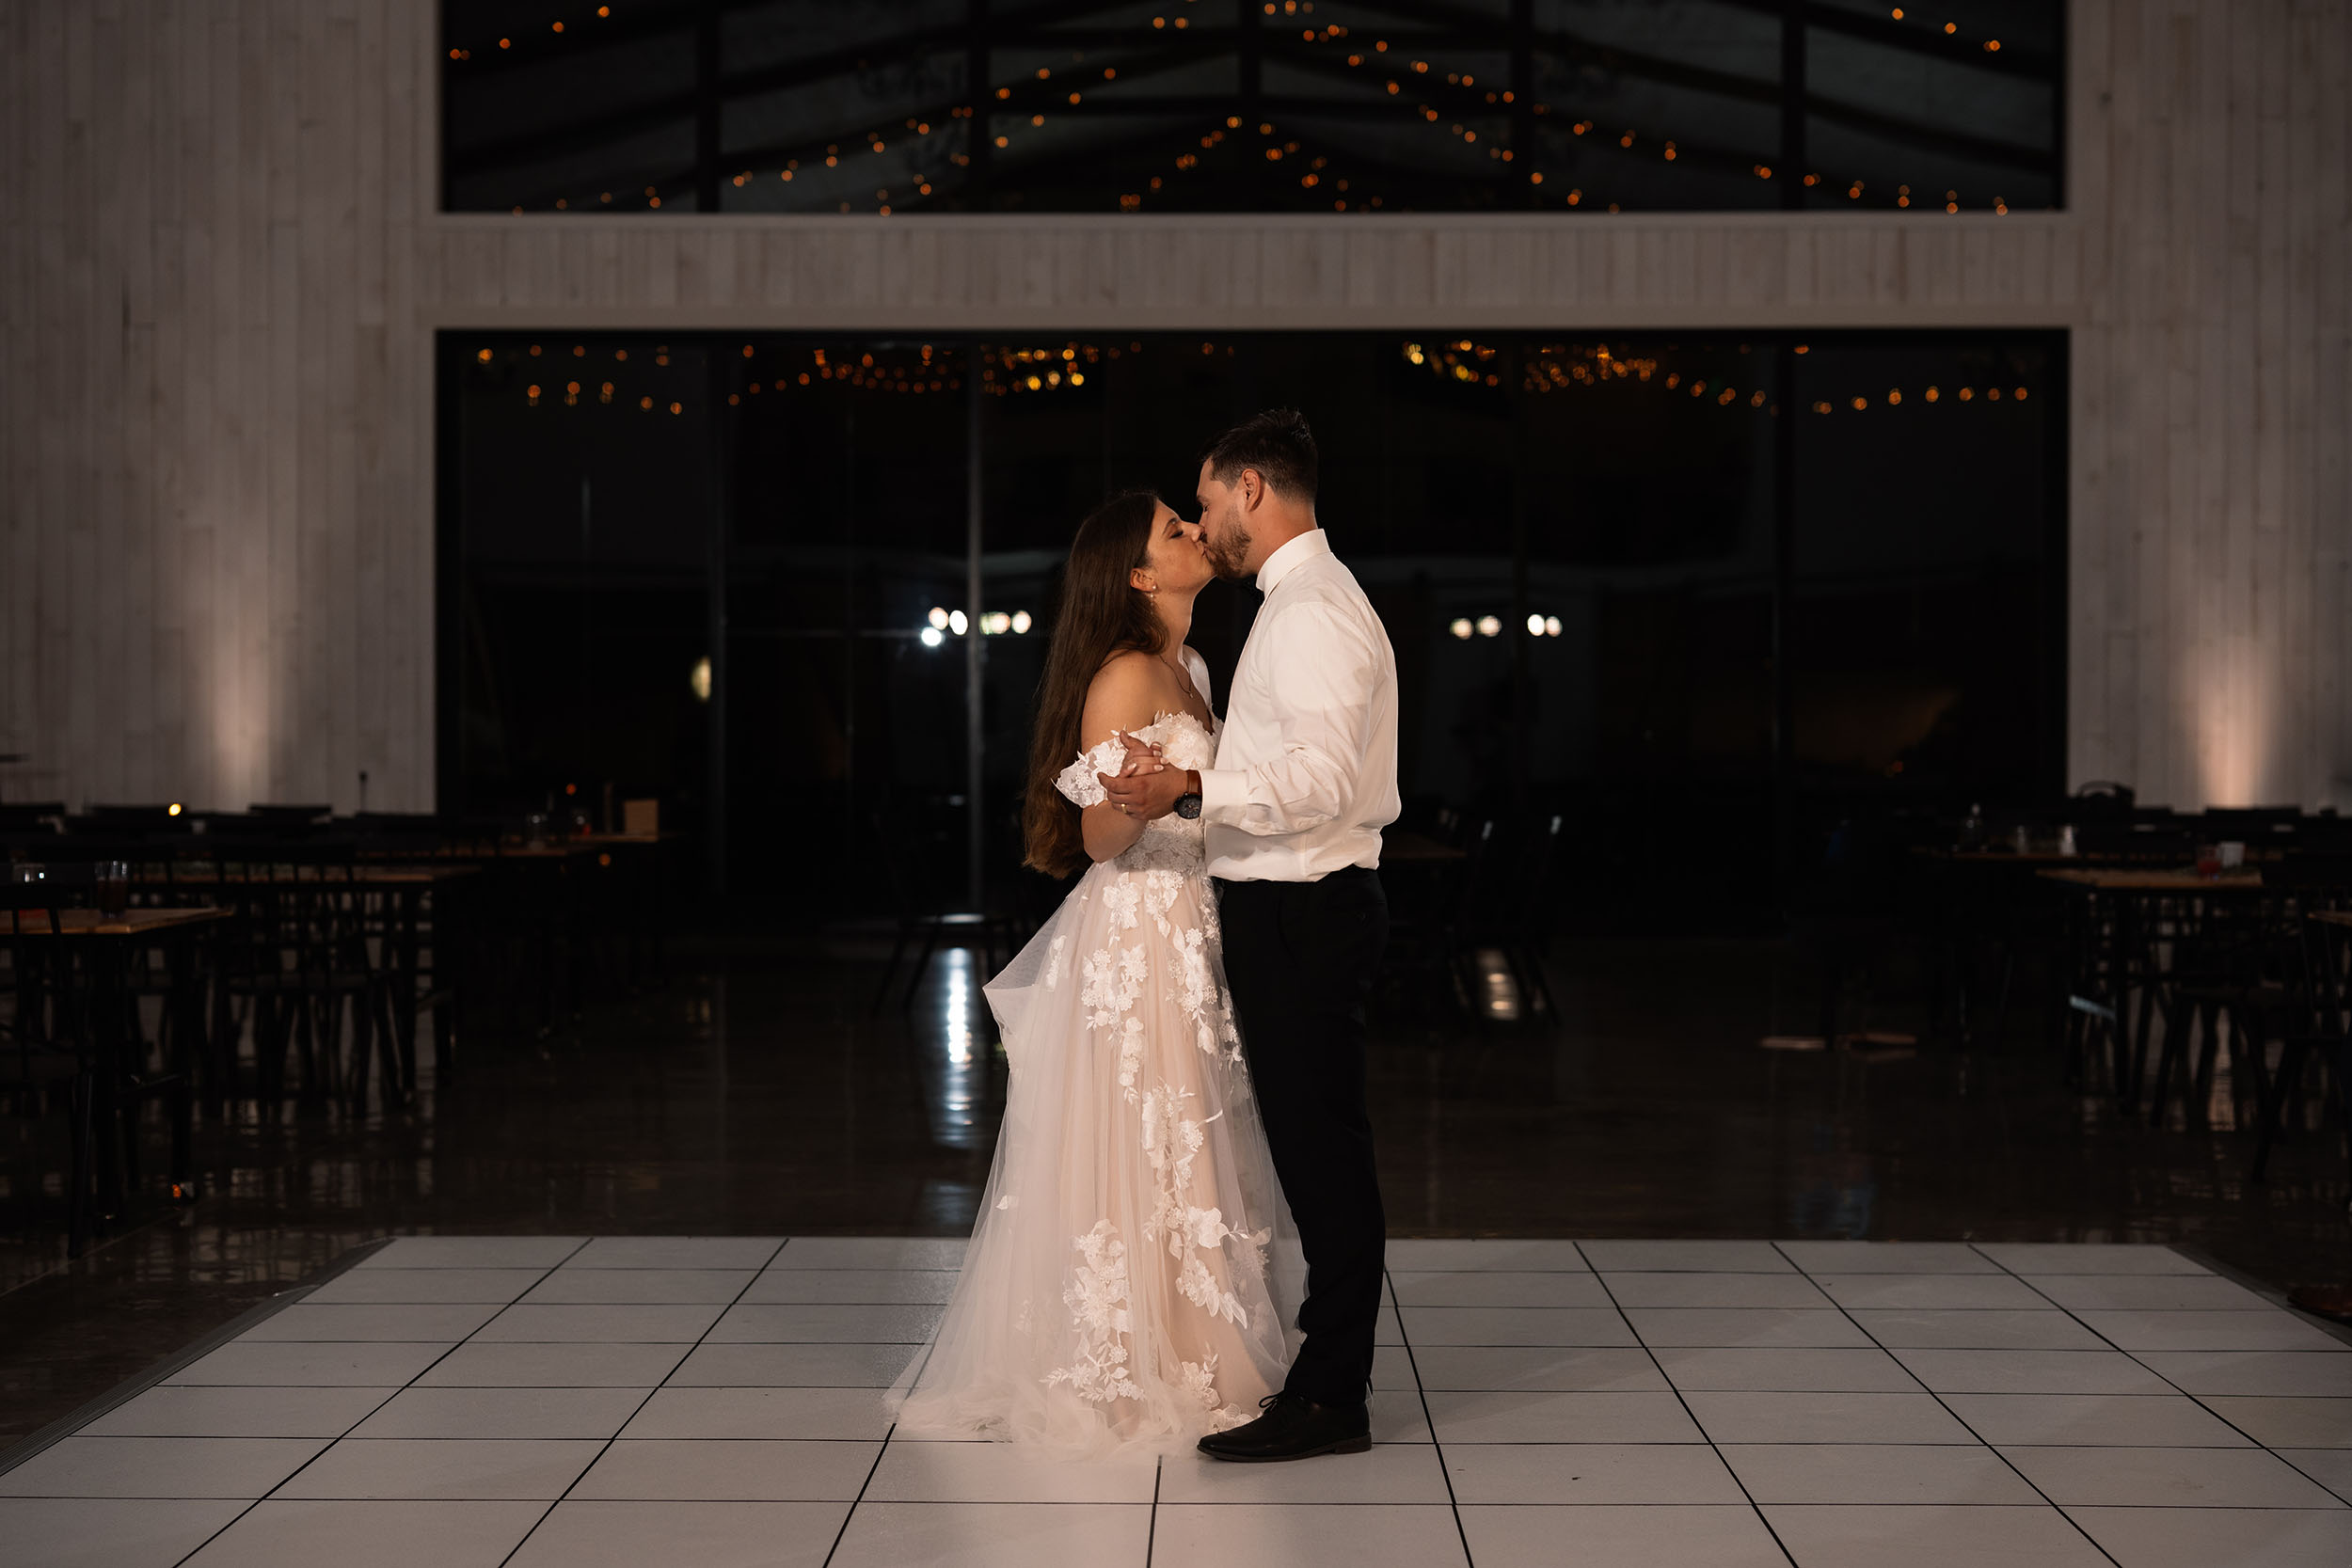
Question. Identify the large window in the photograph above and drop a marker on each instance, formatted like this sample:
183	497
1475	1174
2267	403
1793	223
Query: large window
1704	591
1249	105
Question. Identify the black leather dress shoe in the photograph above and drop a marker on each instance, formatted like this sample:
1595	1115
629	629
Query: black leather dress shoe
1293	1427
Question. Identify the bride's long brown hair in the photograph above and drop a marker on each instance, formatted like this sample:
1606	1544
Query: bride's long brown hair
1102	613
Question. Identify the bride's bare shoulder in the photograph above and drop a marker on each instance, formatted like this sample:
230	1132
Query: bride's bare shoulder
1124	695
1127	672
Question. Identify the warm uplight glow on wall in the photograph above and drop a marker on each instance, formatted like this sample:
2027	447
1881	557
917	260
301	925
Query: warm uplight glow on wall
2232	708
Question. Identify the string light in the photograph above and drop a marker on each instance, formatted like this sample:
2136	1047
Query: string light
1550	367
1668	149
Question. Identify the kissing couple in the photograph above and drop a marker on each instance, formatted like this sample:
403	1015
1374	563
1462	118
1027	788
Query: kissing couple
1185	1122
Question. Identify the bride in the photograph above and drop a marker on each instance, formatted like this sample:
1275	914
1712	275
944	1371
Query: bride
1117	1291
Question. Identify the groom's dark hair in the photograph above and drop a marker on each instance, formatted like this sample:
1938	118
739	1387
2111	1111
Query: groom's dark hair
1276	443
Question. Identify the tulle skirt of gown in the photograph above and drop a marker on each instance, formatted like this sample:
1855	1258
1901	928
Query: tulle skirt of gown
1120	1289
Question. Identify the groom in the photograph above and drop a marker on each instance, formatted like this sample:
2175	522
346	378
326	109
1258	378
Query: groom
1305	780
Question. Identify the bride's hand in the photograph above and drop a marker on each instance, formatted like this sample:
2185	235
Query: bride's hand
1142	756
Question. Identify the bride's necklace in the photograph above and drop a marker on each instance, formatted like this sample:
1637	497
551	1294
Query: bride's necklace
1183	680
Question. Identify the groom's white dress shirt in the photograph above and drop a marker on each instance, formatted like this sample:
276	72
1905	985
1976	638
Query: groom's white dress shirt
1305	770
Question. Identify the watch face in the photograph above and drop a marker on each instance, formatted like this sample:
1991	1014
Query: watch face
1189	806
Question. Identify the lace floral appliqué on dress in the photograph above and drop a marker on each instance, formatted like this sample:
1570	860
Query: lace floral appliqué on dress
1117	1291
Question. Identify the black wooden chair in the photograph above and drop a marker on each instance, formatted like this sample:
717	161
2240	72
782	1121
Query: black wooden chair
72	1048
2323	987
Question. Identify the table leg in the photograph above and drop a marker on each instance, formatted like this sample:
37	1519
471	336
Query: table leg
404	983
186	1001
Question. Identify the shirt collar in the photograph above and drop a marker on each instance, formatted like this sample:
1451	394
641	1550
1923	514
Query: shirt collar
1290	557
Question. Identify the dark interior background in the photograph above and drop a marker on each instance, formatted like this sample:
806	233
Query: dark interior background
1794	581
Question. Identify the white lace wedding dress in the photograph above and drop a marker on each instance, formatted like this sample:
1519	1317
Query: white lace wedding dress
1118	1291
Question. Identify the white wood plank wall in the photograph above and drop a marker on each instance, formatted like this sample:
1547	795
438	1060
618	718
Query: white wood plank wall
220	269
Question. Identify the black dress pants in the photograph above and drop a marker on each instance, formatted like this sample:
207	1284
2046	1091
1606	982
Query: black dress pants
1300	957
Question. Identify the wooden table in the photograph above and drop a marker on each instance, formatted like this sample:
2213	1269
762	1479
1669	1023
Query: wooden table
112	1063
2176	881
2137	962
129	923
393	913
363	875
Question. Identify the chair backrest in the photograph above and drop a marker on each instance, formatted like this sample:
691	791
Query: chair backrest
2328	874
22	899
285	814
2137	842
2249	822
398	835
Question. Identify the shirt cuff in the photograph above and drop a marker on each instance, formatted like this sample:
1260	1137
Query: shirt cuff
1224	794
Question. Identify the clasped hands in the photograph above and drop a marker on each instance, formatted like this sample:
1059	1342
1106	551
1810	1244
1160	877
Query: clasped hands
1145	787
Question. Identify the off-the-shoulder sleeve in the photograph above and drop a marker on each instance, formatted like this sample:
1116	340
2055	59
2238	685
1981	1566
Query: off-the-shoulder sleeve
1079	781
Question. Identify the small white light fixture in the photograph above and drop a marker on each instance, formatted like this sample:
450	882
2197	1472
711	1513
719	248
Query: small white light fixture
1020	623
1551	626
1534	625
957	622
995	623
1461	628
700	679
172	810
1489	626
938	619
932	636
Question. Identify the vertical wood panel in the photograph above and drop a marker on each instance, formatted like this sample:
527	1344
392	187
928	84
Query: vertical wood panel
219	264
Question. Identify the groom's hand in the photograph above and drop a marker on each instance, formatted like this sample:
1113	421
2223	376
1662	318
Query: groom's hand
1146	796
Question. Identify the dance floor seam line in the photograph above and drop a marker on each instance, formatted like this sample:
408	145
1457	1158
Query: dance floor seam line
1964	1424
1976	1454
589	1468
1692	1416
1421	1393
394	1393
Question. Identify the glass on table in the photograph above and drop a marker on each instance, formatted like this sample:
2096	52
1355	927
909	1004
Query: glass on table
114	888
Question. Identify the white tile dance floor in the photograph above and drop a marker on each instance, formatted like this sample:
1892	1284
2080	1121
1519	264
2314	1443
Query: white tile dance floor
713	1402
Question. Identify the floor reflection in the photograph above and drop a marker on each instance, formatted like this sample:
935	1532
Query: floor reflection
958	1073
760	1093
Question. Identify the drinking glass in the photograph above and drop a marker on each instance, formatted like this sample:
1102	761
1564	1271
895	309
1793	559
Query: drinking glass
114	888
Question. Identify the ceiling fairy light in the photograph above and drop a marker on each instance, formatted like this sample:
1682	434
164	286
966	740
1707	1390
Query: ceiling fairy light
1561	367
1475	116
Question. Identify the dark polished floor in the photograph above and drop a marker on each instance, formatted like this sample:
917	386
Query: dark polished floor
757	1094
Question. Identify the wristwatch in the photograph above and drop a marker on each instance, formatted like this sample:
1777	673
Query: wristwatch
1188	804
